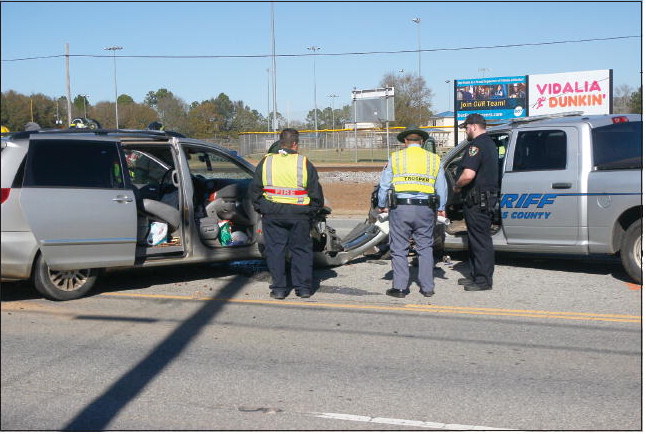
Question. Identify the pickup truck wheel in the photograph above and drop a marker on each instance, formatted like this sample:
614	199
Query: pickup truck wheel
631	251
62	285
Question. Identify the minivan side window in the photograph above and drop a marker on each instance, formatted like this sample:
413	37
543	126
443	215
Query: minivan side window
540	150
73	163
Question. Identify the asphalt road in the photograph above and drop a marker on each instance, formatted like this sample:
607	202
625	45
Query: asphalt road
556	345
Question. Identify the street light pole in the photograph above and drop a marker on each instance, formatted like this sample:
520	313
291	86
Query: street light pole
114	50
451	96
333	96
84	107
314	49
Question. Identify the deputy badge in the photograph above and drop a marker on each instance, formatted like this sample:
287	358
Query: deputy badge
473	151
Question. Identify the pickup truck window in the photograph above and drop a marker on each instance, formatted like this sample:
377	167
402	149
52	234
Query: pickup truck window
540	150
617	146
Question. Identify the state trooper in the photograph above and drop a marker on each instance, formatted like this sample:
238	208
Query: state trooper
286	192
412	190
478	185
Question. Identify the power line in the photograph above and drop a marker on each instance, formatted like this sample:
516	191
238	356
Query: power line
355	53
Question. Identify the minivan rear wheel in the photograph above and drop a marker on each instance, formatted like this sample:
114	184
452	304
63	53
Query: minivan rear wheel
62	285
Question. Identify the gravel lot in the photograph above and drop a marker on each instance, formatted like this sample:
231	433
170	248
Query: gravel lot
348	193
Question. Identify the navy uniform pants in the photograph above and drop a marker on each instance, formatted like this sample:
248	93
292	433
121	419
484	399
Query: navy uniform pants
416	221
282	235
481	252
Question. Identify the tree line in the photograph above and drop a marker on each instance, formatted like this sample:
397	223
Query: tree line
219	117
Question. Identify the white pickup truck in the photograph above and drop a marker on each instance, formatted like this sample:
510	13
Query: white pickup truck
570	184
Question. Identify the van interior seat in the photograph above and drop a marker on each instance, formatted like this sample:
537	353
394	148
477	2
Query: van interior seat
162	212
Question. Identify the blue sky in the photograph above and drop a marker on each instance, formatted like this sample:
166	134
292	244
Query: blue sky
244	29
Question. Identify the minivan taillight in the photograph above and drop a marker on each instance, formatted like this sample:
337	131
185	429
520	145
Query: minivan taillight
5	194
619	119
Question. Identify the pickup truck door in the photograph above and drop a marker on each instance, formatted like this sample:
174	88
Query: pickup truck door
540	201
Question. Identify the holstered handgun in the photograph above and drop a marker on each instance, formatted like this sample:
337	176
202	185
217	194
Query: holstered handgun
472	197
493	205
391	199
433	201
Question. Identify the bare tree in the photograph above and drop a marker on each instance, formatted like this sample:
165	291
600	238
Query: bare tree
621	99
412	99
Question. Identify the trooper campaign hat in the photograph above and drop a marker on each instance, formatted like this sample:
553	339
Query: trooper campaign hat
473	118
411	130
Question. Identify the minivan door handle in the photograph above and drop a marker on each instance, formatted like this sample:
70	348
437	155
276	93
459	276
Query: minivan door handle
122	199
561	185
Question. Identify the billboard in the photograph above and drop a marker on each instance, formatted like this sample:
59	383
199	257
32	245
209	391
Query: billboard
495	98
586	91
374	105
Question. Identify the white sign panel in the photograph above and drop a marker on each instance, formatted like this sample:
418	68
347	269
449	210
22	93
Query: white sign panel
381	92
374	105
586	91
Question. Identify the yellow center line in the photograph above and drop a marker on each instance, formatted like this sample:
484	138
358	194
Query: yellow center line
581	316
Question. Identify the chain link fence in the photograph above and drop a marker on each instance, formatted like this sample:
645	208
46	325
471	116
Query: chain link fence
338	146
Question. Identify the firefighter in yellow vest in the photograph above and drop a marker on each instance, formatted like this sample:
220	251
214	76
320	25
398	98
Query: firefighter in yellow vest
286	192
412	190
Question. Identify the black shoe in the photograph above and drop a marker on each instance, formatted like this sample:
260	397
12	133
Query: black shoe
277	295
477	286
427	294
399	293
465	281
303	294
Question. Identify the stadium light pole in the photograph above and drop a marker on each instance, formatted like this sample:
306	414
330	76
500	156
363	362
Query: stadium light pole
417	21
114	50
314	49
268	100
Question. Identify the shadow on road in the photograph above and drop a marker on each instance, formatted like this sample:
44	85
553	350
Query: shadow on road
130	279
597	265
98	414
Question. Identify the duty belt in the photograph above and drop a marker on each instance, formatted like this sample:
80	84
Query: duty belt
412	202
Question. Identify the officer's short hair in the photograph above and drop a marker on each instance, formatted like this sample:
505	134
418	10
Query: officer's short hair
288	136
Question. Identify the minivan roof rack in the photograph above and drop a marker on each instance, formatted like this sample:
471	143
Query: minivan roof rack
528	119
98	132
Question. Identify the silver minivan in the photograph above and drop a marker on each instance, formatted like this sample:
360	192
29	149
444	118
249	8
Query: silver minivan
75	202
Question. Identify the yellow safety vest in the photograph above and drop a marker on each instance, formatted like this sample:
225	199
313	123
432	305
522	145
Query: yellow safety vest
415	170
284	177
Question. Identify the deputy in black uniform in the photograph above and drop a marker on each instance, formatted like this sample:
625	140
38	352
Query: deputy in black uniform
286	192
478	184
